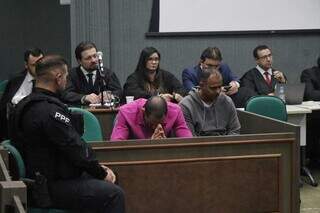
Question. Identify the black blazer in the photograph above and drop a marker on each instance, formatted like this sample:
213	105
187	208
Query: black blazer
134	85
254	81
311	78
78	86
10	90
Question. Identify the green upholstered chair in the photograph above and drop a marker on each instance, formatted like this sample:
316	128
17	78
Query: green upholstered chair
92	128
3	85
269	106
17	158
22	172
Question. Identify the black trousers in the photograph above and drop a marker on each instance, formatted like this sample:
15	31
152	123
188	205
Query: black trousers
313	136
86	194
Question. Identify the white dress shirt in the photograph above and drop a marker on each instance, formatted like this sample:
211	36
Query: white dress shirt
24	90
262	71
85	72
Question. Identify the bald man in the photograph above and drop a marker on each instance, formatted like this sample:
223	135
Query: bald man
153	118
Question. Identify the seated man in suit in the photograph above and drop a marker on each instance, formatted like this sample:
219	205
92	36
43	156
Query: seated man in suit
262	79
154	118
208	111
311	77
211	58
84	81
18	87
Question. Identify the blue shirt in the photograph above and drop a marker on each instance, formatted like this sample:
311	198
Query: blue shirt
191	76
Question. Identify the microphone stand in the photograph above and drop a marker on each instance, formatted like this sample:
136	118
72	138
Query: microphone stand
102	83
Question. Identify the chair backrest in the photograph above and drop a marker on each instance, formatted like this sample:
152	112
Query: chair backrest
269	106
22	174
3	85
16	156
92	128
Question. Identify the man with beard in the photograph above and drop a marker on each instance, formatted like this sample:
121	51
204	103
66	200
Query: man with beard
207	111
52	149
85	81
262	79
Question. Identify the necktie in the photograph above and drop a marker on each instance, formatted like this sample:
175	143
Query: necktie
33	83
90	82
268	79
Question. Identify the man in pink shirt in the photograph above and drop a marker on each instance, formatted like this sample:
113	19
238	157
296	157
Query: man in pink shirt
153	118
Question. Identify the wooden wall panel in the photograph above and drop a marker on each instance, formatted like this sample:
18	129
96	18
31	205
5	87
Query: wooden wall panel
245	173
246	184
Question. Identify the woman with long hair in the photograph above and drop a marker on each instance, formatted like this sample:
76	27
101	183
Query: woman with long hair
148	79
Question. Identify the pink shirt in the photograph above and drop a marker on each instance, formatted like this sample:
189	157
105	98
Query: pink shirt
130	123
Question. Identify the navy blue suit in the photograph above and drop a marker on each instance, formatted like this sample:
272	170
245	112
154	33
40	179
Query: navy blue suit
191	76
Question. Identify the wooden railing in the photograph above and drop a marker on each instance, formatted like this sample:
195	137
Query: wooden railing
13	194
244	173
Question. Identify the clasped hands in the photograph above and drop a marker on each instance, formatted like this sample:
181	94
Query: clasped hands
158	133
169	97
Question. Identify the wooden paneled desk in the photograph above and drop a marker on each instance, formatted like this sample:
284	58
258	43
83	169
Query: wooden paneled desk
246	173
297	115
254	172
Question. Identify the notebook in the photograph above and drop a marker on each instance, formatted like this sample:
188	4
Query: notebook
293	93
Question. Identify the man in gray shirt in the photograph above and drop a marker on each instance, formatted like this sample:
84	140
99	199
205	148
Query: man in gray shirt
207	110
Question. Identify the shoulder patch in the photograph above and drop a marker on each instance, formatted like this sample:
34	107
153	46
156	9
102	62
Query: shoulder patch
58	116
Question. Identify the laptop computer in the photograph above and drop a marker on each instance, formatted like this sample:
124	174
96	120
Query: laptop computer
293	92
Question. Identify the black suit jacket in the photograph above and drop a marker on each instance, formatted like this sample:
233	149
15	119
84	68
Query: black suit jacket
10	90
134	85
311	78
254	81
78	86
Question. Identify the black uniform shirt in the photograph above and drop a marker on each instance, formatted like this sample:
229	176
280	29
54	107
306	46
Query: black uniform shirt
50	144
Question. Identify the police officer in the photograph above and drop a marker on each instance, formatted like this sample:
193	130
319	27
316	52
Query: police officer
53	150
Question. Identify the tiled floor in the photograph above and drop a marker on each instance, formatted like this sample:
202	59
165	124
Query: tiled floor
310	196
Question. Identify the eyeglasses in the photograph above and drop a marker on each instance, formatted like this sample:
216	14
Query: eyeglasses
156	59
210	66
265	56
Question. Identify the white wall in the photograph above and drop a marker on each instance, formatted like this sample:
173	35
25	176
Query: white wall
238	15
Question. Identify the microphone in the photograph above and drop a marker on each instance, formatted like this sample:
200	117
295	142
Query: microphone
102	81
100	63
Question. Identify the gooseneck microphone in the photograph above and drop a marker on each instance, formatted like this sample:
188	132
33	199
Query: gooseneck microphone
100	64
102	82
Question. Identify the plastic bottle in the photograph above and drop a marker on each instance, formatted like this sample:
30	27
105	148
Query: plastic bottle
282	95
